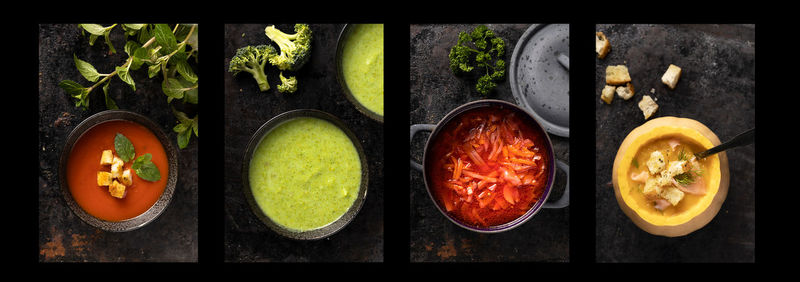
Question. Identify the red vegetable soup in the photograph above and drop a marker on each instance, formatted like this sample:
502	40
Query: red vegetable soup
84	163
488	167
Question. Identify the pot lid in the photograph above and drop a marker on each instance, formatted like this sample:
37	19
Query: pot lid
539	75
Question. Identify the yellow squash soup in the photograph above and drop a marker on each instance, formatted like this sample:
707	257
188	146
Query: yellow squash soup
362	65
305	174
665	178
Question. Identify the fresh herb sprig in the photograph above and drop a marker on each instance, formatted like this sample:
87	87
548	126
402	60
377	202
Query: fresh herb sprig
486	57
164	50
145	168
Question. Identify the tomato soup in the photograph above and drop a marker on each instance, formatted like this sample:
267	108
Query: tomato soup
83	165
488	167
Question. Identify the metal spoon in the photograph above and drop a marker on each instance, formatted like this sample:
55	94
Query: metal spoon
745	138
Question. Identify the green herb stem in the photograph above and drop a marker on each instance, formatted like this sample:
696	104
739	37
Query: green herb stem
128	62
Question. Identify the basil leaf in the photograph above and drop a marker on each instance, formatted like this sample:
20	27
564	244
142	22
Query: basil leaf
73	88
110	104
181	127
194	125
165	38
134	26
77	91
173	88
153	70
124	147
94	29
123	74
186	71
86	69
145	168
183	137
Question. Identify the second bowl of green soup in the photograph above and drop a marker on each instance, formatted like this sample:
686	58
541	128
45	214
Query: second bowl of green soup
305	174
359	63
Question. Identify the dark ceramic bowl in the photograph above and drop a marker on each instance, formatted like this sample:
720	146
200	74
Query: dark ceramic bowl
326	230
553	162
162	202
346	30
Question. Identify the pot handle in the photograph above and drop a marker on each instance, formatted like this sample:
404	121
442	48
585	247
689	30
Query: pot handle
417	128
564	201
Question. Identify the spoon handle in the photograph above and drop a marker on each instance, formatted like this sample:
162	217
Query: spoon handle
746	138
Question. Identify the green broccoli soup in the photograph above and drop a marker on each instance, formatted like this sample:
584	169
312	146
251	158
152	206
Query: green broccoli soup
305	173
362	65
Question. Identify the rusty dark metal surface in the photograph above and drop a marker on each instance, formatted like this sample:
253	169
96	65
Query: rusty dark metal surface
717	88
63	237
246	238
435	91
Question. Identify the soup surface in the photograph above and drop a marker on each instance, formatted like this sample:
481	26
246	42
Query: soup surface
362	65
305	173
84	163
666	176
488	167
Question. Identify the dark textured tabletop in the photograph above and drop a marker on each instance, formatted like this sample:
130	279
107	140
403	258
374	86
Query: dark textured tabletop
63	237
435	91
247	239
716	88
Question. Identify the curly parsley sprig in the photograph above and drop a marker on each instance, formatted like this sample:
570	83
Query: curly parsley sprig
486	56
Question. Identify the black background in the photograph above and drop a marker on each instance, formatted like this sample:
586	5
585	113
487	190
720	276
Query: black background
775	76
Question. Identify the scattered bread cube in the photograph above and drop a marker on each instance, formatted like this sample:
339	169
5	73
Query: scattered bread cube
648	106
103	178
672	195
117	190
601	45
672	75
617	75
608	94
625	92
107	157
126	178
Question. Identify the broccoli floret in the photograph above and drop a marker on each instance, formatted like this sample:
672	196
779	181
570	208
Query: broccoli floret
253	60
295	48
486	55
287	84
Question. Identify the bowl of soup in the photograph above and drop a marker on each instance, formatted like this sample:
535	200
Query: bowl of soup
141	186
359	67
659	183
489	166
305	175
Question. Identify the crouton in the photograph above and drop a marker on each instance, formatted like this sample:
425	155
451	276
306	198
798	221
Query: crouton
672	75
117	190
116	167
103	178
617	75
656	163
107	157
126	178
601	45
648	106
608	94
625	92
671	194
677	167
651	189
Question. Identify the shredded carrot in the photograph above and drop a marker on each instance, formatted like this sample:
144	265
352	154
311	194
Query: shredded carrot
493	167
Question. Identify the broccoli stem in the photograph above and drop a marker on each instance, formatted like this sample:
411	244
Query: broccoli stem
261	79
